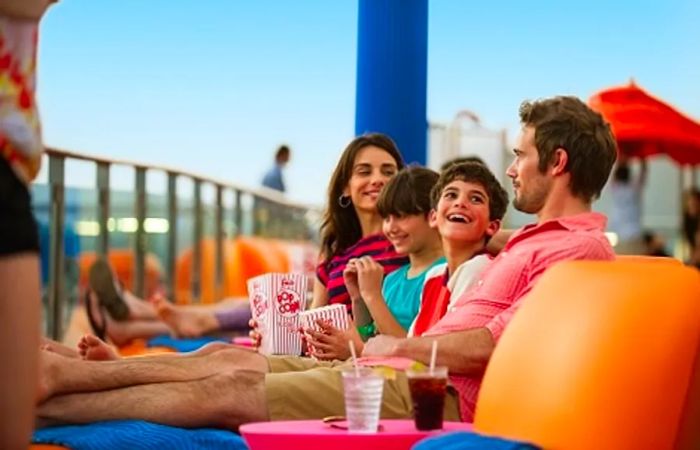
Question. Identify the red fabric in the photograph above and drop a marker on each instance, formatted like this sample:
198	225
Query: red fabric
644	125
435	300
330	273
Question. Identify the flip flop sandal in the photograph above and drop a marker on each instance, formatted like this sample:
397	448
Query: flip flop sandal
100	330
101	281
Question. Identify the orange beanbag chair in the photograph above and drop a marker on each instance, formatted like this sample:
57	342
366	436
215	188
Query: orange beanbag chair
244	257
601	355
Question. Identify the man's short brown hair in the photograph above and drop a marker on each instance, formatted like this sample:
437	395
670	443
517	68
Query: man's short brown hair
568	123
472	172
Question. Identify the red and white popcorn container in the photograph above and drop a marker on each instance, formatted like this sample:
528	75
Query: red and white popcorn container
336	315
276	301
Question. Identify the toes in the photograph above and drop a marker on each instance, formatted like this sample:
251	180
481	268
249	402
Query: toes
91	340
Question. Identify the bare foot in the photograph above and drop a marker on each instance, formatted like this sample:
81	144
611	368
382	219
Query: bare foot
48	367
56	347
93	348
185	322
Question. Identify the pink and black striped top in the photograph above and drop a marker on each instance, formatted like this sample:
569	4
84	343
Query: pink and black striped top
330	273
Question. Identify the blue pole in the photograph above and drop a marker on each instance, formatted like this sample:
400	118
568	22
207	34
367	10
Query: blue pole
392	53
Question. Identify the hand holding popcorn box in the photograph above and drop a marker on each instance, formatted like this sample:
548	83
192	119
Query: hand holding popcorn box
276	301
336	315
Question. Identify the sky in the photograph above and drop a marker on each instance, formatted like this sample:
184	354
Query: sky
214	87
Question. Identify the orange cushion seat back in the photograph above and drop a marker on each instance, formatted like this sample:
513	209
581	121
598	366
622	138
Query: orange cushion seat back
601	355
243	258
650	259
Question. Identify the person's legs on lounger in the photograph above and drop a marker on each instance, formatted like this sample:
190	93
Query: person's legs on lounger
61	374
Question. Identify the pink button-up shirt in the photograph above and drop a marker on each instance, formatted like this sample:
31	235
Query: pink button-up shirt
493	300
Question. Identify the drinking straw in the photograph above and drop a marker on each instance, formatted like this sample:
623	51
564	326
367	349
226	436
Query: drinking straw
354	358
433	356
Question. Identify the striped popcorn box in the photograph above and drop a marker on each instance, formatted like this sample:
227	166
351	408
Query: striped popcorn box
337	315
276	300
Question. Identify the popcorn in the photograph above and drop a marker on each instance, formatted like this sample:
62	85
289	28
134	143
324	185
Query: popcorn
335	314
276	301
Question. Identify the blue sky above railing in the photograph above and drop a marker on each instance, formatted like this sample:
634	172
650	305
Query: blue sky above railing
213	87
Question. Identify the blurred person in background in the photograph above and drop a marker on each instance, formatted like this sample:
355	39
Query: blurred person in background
654	244
626	215
273	177
691	217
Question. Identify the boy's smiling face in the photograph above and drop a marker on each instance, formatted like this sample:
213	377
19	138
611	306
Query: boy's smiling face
409	233
462	213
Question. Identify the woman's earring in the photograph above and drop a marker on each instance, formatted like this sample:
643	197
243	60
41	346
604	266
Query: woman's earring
344	201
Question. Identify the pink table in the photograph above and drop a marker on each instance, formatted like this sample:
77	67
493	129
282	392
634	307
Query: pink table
316	435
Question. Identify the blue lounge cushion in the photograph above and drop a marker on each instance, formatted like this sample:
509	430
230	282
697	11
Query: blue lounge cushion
137	435
470	441
183	344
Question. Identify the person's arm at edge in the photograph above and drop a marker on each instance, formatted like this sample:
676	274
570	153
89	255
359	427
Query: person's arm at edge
468	352
463	352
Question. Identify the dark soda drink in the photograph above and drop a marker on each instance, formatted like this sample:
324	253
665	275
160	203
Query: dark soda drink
428	395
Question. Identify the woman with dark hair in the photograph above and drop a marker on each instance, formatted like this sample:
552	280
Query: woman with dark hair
352	226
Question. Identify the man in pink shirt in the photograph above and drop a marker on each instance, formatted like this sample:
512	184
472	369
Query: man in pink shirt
562	161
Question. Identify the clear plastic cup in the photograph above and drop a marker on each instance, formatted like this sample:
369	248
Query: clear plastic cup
428	394
363	399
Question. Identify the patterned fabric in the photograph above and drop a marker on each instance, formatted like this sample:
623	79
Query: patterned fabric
20	131
330	273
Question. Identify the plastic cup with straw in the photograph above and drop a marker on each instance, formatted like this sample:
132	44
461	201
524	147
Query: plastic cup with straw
362	390
428	388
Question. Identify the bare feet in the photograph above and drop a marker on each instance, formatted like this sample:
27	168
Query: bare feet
186	322
92	348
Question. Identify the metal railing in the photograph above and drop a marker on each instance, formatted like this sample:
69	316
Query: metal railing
272	215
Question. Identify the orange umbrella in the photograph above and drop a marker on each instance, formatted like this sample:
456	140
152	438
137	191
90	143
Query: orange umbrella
644	125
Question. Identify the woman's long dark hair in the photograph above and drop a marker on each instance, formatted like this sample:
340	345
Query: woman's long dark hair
341	228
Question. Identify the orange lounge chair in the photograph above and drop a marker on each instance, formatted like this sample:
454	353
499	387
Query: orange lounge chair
601	355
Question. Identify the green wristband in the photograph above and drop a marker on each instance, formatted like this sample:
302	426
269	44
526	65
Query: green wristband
367	331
